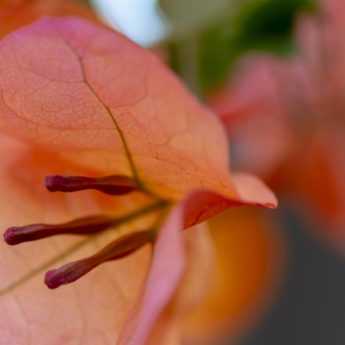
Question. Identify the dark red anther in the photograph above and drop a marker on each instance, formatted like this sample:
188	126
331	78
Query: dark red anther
116	250
81	226
113	185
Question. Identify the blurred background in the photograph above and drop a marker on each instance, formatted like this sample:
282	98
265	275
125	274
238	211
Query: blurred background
274	72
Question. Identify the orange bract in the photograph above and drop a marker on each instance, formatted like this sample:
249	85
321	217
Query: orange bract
81	100
248	254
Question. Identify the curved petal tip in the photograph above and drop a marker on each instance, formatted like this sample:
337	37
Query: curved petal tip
253	191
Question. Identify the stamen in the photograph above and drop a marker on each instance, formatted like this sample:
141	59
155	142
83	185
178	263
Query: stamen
81	226
116	250
13	236
113	185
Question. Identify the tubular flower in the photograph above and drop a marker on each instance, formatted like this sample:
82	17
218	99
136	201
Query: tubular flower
287	117
129	159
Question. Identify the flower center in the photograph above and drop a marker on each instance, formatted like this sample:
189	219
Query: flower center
90	226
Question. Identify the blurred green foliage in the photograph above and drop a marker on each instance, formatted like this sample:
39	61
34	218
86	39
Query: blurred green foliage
253	25
194	15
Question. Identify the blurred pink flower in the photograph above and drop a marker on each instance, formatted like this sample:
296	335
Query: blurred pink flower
287	117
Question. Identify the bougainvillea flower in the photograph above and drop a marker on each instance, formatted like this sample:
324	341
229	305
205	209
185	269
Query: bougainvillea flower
287	117
129	159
